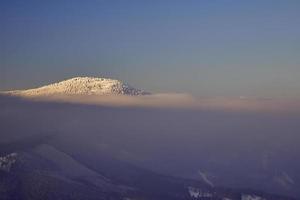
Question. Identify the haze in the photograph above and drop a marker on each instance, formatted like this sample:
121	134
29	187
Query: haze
207	48
258	150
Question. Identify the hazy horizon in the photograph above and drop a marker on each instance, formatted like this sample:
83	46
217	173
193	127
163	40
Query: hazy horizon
205	48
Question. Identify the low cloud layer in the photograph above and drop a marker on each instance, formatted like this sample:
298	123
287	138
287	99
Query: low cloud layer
182	101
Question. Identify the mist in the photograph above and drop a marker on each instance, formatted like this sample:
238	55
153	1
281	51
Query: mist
252	148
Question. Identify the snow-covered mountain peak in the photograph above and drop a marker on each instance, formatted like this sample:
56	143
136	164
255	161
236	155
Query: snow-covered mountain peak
83	86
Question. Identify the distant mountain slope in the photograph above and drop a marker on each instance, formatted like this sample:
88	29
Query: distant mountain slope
49	173
82	86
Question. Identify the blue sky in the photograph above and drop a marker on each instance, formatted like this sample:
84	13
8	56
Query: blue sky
207	48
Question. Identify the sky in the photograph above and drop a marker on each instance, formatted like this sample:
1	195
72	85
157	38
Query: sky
206	48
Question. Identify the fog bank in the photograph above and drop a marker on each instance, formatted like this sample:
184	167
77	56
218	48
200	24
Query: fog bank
181	101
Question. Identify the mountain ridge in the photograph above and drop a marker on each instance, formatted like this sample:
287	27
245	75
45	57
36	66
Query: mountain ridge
82	86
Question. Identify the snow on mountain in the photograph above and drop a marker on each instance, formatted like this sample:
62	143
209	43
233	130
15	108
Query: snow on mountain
251	197
205	178
7	161
82	86
198	193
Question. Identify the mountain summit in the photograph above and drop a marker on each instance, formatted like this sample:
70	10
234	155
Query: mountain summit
82	86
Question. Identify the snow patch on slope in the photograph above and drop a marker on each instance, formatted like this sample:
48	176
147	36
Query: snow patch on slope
284	180
251	197
205	178
198	193
6	162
